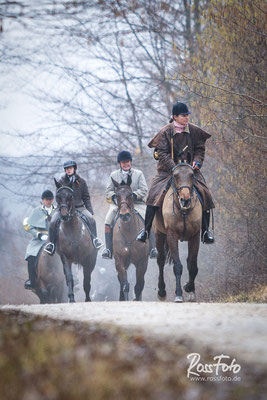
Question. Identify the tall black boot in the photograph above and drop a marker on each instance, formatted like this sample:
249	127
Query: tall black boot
30	283
150	214
206	235
152	246
50	247
107	252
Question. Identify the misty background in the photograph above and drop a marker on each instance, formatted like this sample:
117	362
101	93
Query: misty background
84	80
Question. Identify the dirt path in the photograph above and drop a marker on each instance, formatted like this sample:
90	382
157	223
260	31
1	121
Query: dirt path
237	330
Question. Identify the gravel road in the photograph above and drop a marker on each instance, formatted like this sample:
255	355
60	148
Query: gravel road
238	330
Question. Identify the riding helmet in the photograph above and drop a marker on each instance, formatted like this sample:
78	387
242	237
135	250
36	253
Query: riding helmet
70	163
124	156
47	194
180	108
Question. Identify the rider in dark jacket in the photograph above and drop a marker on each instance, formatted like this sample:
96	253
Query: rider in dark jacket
82	203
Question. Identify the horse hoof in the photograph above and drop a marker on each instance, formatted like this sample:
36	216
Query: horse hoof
87	300
72	300
189	288
192	297
163	298
178	299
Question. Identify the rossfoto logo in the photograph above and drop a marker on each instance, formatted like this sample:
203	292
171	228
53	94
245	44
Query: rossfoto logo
215	371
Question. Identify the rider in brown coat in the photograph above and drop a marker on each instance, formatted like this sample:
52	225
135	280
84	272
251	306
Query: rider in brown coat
179	141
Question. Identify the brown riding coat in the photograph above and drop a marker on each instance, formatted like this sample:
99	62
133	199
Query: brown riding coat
193	137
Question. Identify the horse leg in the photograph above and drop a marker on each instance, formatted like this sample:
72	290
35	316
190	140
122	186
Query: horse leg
69	277
193	247
87	270
172	238
161	259
140	281
122	276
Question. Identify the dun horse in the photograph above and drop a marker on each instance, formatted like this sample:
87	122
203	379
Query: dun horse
126	249
74	242
180	219
50	278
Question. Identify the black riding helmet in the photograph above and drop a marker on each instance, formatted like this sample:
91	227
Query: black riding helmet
70	163
47	194
180	108
124	156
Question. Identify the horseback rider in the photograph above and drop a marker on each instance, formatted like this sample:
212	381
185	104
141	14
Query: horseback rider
37	224
139	188
179	141
82	203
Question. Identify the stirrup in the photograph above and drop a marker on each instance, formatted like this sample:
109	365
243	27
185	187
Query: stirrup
153	253
97	243
50	251
28	285
108	255
207	237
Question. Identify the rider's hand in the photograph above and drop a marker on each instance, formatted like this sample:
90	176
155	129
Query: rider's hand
196	165
42	236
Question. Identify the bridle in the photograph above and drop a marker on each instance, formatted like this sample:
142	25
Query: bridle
63	205
183	211
131	208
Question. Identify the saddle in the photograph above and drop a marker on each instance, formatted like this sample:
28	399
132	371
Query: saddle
86	223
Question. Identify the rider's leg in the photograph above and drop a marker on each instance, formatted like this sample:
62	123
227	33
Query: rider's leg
107	252
30	283
109	223
50	247
206	236
150	213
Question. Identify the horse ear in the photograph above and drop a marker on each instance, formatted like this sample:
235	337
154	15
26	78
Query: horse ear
115	183
129	180
58	185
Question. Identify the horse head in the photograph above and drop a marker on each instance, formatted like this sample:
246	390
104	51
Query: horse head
183	184
64	199
124	197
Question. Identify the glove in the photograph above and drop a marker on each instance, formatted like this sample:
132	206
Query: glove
135	197
42	236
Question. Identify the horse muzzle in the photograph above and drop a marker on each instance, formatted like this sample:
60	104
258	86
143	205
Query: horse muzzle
125	217
65	214
185	203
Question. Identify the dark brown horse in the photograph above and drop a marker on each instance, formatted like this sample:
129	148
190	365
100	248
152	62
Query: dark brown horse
49	285
126	249
74	242
179	219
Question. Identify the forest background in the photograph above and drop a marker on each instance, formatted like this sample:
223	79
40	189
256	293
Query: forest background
97	77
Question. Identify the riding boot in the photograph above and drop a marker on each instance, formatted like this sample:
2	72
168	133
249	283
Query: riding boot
50	247
150	213
206	235
30	283
152	246
107	252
